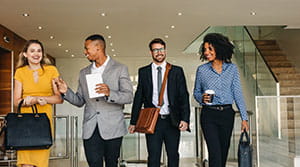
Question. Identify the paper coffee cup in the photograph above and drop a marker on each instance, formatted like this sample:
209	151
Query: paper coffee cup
211	94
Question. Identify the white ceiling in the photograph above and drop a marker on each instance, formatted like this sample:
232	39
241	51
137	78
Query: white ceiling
133	23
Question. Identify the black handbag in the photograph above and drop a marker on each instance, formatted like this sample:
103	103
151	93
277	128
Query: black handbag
245	151
27	131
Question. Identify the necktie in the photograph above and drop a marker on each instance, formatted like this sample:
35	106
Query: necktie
159	80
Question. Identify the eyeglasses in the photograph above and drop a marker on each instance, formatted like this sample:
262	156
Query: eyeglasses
158	50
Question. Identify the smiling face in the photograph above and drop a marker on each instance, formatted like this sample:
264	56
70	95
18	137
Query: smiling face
209	52
34	54
158	53
93	49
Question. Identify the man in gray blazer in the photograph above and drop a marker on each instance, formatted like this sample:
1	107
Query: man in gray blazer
103	123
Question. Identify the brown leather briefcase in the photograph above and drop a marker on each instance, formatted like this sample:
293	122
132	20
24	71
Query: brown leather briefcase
148	116
147	120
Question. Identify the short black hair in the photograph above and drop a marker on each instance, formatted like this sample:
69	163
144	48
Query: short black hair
223	47
96	37
157	40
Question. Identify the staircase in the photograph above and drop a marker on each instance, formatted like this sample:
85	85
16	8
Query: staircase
283	69
289	80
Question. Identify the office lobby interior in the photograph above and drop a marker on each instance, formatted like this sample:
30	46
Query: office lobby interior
266	36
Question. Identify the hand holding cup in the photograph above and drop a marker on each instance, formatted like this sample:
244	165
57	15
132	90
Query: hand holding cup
208	97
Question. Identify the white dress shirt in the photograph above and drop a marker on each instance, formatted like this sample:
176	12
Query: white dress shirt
100	69
164	110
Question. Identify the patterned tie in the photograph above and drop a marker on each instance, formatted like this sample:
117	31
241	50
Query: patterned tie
159	80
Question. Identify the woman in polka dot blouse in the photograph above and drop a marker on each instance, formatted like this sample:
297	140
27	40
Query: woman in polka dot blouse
217	116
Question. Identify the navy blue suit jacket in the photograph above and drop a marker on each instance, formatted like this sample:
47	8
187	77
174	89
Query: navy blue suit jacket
178	95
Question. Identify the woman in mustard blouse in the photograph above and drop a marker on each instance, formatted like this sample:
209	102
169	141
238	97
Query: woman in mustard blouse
34	83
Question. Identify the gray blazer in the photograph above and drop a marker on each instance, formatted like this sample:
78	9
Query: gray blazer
106	112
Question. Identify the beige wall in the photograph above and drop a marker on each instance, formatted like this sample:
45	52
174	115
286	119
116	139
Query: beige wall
289	42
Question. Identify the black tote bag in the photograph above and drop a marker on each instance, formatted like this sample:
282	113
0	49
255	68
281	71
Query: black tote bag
27	131
244	151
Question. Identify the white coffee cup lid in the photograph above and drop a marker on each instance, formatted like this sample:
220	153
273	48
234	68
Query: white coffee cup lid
210	91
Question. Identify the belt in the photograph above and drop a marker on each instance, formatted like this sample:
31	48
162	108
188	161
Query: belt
218	107
164	116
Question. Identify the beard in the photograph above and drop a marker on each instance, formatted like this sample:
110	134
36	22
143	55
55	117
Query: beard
159	60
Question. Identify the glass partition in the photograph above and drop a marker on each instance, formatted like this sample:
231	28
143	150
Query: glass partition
278	138
64	148
202	156
264	32
258	78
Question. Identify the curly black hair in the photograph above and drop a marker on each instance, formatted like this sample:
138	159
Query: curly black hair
223	47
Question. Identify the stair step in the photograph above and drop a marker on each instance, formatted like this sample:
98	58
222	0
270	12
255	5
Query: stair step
265	42
294	124
268	47
290	133
284	70
288	76
280	64
289	90
272	57
289	83
272	52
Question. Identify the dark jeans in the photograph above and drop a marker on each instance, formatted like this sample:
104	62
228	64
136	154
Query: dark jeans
96	148
217	128
170	135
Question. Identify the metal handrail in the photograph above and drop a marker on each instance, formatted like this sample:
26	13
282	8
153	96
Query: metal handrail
71	140
269	68
123	162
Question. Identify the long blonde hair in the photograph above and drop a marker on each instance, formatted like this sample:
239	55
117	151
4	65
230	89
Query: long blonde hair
22	60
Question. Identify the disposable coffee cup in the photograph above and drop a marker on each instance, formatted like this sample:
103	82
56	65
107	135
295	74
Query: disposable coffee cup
211	94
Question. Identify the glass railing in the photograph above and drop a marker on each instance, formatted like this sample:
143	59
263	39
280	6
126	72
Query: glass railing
201	148
265	32
134	149
64	148
278	131
257	76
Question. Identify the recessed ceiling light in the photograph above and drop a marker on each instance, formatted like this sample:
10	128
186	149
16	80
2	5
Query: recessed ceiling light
25	14
59	44
109	37
253	13
166	36
172	27
103	14
66	50
112	50
114	55
51	37
72	55
111	44
107	27
179	14
40	27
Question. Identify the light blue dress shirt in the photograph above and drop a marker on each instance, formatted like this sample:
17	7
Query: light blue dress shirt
227	86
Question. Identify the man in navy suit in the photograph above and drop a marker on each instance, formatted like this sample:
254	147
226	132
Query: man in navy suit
174	114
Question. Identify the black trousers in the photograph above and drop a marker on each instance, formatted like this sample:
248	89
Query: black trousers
96	149
170	136
217	128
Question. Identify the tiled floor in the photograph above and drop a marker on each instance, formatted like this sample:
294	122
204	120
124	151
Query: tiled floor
184	162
